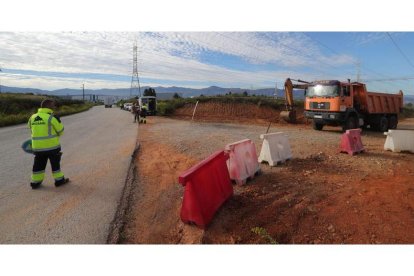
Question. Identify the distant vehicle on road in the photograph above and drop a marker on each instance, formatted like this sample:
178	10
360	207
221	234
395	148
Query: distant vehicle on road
128	106
150	102
108	101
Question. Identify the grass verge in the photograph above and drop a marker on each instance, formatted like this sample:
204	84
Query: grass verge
16	108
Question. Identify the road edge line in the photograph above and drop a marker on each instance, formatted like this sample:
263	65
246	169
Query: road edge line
118	223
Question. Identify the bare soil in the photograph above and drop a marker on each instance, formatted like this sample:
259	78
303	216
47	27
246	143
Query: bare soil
320	196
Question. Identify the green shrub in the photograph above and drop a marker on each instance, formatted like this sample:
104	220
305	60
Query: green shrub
408	111
166	108
263	234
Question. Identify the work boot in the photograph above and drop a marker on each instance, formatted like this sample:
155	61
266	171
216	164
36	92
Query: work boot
61	182
35	185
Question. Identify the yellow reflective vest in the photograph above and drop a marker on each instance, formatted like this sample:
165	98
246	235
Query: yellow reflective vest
46	130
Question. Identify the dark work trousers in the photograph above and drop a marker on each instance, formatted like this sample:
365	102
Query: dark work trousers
136	116
40	162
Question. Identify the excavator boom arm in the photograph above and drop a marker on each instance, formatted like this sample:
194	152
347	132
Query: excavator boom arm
289	91
290	114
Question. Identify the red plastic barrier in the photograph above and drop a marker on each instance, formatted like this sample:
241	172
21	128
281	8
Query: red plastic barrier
351	141
207	187
242	163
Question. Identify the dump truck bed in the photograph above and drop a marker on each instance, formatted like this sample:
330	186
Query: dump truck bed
378	103
384	103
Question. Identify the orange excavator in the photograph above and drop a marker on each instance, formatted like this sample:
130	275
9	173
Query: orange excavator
290	114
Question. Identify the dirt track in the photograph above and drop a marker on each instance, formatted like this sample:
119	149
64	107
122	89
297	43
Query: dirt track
320	196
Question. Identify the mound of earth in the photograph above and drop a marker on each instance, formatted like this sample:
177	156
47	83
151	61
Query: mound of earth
234	112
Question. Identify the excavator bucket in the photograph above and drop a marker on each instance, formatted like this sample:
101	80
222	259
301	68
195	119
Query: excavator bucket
288	116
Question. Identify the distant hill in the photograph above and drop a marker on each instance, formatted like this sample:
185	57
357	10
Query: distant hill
185	92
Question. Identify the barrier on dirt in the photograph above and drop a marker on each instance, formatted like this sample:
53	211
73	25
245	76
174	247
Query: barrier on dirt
399	140
351	142
207	187
242	162
275	148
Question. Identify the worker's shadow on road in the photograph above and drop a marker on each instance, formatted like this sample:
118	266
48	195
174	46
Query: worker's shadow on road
69	188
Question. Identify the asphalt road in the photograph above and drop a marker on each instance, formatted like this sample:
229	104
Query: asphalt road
96	146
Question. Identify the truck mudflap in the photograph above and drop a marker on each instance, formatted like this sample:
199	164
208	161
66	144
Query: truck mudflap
326	117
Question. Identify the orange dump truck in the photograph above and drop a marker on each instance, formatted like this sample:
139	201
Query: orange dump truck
350	105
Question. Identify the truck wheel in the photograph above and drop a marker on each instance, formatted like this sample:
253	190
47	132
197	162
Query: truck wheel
383	124
393	122
317	126
351	123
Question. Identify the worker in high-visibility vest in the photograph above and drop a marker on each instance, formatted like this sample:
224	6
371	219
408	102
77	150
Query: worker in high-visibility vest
143	114
46	129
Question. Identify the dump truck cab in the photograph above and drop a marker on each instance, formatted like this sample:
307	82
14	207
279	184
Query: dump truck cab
350	105
329	103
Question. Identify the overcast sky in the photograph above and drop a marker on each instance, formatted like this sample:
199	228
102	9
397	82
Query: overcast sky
55	60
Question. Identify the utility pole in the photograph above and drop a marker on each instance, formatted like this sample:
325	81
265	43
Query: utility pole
358	71
83	92
0	81
276	91
135	86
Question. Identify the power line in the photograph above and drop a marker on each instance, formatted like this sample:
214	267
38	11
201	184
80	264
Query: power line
399	49
283	46
298	51
337	67
331	65
358	64
0	80
390	79
386	78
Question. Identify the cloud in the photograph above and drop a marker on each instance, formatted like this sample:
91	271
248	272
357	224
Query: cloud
53	83
283	49
227	78
174	56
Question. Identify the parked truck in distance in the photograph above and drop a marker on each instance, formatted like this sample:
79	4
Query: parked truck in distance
150	102
350	105
109	101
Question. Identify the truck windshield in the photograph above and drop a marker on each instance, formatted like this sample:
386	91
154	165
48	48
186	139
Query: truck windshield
322	91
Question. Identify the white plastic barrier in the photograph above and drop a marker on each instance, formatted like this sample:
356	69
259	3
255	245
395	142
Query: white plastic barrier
275	148
242	162
399	140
